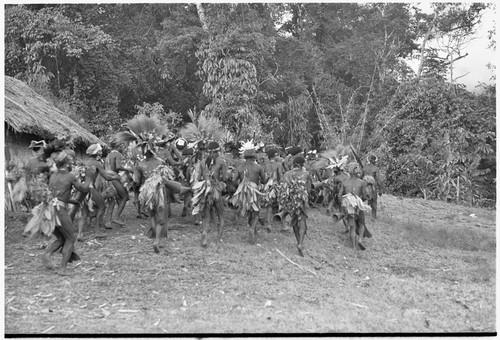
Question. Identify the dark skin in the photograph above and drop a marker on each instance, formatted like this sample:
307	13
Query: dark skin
158	217
357	187
300	224
114	162
339	177
274	170
213	167
36	166
255	173
61	184
94	169
371	169
188	160
169	153
197	157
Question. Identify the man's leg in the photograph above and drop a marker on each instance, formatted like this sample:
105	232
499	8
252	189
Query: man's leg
101	210
219	211
52	248
81	221
159	218
187	203
302	223
122	198
205	224
68	233
80	196
374	204
253	220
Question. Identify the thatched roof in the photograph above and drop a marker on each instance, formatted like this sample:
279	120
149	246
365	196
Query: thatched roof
28	112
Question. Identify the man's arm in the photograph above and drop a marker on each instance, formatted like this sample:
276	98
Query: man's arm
341	192
176	152
364	195
262	175
379	182
104	174
169	160
223	170
118	164
82	187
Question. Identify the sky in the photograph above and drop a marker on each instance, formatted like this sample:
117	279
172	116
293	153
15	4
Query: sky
474	67
479	55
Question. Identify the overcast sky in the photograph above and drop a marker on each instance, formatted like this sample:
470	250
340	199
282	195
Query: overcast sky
474	66
479	56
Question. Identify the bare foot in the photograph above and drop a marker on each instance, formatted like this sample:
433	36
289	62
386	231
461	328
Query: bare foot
252	237
74	257
100	235
119	222
64	272
204	240
47	263
299	248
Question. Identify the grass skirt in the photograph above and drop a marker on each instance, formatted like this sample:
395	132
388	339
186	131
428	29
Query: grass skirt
247	197
353	204
44	219
271	193
152	193
205	194
294	197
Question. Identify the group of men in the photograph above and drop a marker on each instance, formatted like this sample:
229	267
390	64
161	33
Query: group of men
207	179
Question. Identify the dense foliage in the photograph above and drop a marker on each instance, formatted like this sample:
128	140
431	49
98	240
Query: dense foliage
314	74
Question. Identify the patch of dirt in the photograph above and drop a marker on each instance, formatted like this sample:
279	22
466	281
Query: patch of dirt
428	268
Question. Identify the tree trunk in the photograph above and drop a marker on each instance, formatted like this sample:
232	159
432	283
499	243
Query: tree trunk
424	43
201	15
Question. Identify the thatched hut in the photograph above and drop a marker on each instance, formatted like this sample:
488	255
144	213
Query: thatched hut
29	116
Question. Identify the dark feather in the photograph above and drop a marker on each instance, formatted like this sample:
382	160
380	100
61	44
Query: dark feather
124	136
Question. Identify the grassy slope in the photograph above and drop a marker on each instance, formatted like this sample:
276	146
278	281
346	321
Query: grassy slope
429	268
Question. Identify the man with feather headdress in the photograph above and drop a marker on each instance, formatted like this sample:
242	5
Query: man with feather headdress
198	134
207	192
153	175
250	176
52	217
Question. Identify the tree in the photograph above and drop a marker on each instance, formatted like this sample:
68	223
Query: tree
230	61
436	142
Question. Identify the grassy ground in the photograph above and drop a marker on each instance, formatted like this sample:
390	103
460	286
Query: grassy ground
430	267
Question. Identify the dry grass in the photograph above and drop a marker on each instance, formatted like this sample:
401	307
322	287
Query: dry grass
420	273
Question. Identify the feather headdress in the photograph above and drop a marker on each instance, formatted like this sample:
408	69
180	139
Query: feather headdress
146	131
337	157
202	129
247	146
338	163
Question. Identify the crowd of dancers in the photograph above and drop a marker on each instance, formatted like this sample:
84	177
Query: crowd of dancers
262	183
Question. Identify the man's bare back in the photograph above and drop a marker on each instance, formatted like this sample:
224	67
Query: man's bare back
255	172
62	182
